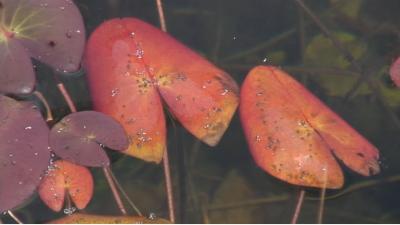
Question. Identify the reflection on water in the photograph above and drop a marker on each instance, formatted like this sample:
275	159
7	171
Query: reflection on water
223	184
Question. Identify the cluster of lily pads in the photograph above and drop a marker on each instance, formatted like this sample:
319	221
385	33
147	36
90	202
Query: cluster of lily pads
291	134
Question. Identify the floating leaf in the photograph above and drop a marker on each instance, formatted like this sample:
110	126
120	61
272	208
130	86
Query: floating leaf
66	178
131	65
395	72
79	138
16	75
79	218
292	134
24	152
50	31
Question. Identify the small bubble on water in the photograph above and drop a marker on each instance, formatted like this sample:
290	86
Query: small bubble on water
152	216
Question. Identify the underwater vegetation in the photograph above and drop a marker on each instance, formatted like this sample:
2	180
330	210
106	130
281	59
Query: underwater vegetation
106	118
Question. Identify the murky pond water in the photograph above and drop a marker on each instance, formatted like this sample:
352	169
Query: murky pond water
222	184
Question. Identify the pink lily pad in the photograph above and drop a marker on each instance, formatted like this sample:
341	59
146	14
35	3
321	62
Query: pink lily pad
80	138
51	31
24	151
395	72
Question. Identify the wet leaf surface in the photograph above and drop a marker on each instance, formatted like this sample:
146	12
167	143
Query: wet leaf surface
292	134
24	152
16	75
80	137
50	31
79	218
395	72
65	178
132	64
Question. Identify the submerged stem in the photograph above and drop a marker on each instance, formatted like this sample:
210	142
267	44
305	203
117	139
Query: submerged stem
297	210
117	197
167	170
134	207
49	114
12	215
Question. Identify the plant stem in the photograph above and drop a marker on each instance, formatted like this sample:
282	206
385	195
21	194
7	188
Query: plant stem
49	114
12	215
134	207
168	186
120	204
161	15
106	170
67	97
321	206
300	201
167	170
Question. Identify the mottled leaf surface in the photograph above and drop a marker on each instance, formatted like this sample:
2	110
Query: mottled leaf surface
132	65
79	218
24	152
80	137
395	72
65	178
292	134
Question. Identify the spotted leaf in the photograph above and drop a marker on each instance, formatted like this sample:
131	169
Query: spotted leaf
132	66
65	178
294	136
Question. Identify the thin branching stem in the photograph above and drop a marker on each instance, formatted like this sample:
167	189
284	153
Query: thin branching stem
12	215
299	204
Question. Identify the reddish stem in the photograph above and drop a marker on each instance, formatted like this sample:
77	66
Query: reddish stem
67	97
167	170
12	215
168	186
300	201
107	174
49	114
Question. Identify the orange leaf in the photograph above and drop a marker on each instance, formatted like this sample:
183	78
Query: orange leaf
292	134
79	218
132	65
66	178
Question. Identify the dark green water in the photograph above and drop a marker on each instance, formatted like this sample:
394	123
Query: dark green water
223	184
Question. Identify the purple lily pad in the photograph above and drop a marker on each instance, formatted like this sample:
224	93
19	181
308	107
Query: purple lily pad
24	151
16	75
80	137
51	31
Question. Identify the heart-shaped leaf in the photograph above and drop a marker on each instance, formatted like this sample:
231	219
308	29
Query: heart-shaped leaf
395	72
24	151
80	218
50	31
292	134
131	64
66	178
80	137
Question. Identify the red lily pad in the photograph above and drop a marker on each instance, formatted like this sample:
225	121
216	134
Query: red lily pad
80	137
66	178
395	72
50	31
24	152
294	136
132	65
